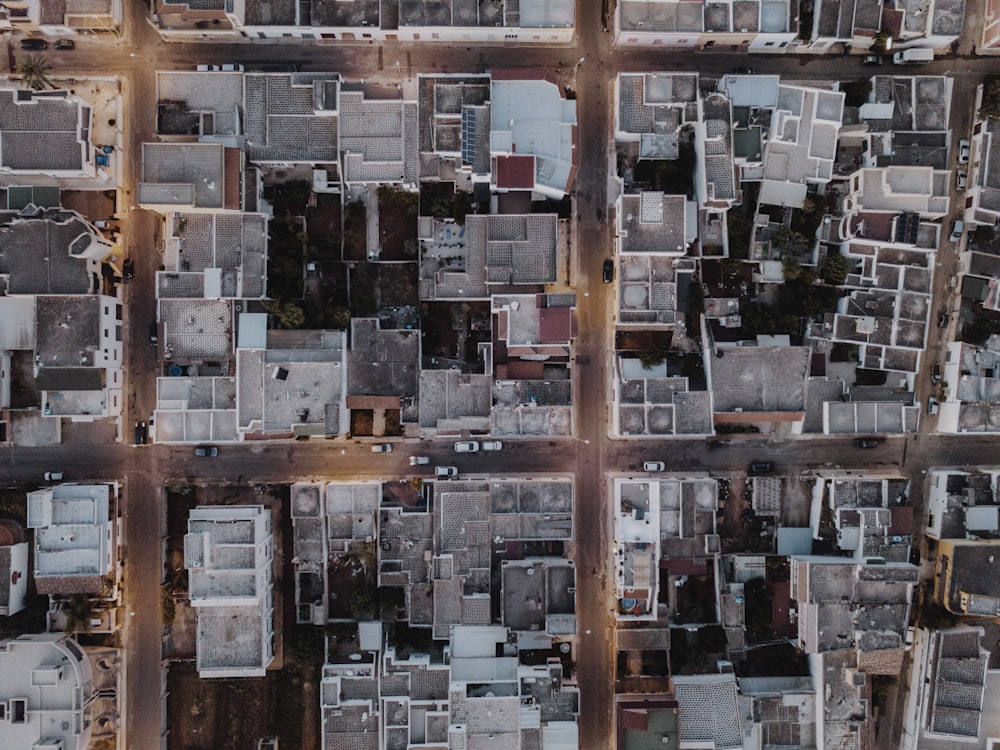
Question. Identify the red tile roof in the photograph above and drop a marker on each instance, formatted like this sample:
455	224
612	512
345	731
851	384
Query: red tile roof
515	172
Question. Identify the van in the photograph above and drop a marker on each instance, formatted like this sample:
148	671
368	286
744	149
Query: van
957	227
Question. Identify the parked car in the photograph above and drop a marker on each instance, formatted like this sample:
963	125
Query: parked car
232	67
206	451
936	374
492	445
128	269
744	70
203	68
757	468
34	45
64	44
654	466
932	406
871	60
445	472
53	476
942	320
961	180
419	460
140	433
865	443
609	271
957	227
382	448
467	446
153	337
963	151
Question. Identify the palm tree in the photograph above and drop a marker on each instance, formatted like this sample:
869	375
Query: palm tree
78	610
33	70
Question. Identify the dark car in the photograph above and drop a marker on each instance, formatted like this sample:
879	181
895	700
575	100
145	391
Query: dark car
757	468
65	44
865	443
206	451
609	271
140	433
34	45
128	269
154	338
936	374
942	320
745	70
871	60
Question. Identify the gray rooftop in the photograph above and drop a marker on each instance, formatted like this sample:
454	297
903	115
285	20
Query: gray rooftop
47	253
291	117
43	131
184	174
760	378
68	329
382	362
654	223
378	136
708	710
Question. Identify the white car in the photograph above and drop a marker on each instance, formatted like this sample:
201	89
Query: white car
963	151
419	460
654	466
53	476
492	445
961	181
467	446
445	472
382	448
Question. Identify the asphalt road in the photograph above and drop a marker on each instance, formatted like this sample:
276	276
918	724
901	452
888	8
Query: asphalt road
138	51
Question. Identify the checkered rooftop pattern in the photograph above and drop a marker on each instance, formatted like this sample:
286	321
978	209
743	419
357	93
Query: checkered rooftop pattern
655	103
519	248
382	363
229	637
196	329
289	117
958	684
380	139
709	711
218	93
653	223
760	378
194	172
42	132
36	254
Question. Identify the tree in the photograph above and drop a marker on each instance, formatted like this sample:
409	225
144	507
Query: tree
991	98
33	70
78	611
835	268
790	267
289	314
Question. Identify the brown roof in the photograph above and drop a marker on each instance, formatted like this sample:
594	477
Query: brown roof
555	324
515	172
684	566
69	584
902	520
373	402
233	198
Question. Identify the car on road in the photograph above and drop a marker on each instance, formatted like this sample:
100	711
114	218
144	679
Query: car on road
382	448
609	271
64	44
204	68
932	406
942	320
936	374
718	443
445	472
654	466
957	227
961	180
744	70
232	67
963	151
34	45
206	451
153	337
865	443
467	446
140	433
871	60
128	269
492	445
419	460
758	468
53	476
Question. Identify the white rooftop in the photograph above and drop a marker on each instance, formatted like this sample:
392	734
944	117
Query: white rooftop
72	530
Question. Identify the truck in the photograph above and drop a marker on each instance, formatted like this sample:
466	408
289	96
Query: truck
913	56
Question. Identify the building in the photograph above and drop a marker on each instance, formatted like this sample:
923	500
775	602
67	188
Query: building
13	567
229	554
76	538
972	395
60	18
47	693
191	177
533	134
951	691
967	576
709	711
983	193
45	132
963	504
846	605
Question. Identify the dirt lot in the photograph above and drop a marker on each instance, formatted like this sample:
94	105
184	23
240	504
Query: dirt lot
397	222
216	714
